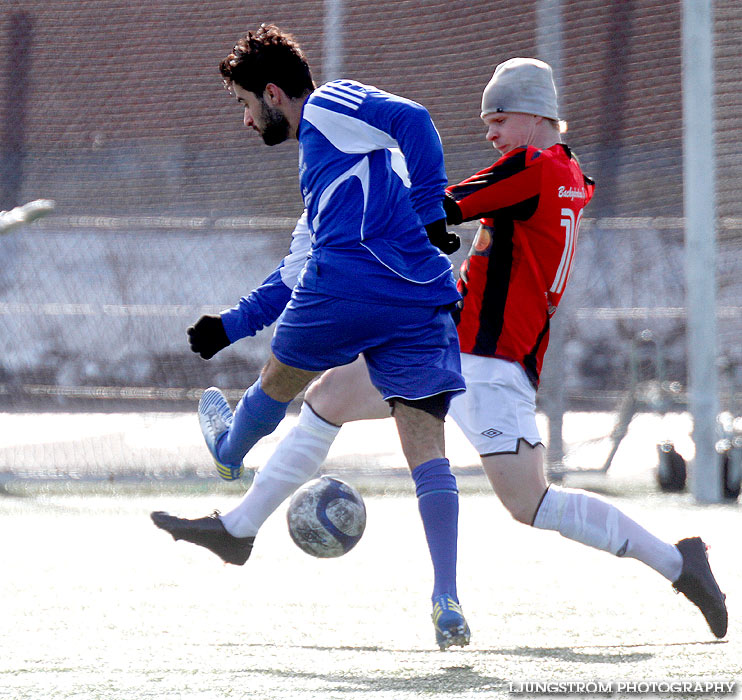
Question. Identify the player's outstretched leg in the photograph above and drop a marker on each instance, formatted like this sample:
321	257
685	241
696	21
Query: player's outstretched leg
208	532
698	584
215	418
588	519
296	459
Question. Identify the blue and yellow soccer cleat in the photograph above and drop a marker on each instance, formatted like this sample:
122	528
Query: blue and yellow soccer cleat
215	417
450	626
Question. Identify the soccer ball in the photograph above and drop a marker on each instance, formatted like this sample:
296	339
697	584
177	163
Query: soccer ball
326	517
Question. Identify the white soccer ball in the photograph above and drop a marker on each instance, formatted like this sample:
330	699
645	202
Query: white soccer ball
326	517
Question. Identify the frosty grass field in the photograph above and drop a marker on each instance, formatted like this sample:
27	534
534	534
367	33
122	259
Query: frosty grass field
97	603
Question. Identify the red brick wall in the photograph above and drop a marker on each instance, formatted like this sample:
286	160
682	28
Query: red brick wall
121	108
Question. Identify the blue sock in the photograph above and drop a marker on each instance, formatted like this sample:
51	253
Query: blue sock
256	416
438	501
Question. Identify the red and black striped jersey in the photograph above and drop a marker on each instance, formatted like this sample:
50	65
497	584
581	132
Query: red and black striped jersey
530	203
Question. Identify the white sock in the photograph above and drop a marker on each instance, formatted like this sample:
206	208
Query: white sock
296	459
588	519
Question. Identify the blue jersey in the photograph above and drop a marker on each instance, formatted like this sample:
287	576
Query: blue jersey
366	204
371	246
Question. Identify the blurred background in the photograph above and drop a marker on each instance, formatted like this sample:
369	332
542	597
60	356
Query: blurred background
168	208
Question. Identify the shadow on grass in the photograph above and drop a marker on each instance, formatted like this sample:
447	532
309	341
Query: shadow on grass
611	651
455	675
449	679
596	654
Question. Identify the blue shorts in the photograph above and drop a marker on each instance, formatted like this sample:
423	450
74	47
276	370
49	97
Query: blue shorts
411	352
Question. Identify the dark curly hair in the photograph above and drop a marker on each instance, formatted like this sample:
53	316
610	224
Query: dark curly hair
268	55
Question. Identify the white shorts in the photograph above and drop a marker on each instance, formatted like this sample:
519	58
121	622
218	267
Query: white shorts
498	407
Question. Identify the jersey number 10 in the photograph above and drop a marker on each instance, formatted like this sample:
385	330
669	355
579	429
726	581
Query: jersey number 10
571	224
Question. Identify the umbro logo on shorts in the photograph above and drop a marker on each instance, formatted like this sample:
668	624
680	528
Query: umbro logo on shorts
491	432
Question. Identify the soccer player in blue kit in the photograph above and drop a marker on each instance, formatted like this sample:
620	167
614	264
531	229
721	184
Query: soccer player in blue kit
518	88
373	283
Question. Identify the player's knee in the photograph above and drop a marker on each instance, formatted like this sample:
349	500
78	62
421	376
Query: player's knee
283	382
327	399
315	392
520	511
518	480
519	500
436	406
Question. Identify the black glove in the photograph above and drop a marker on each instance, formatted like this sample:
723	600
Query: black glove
207	336
446	241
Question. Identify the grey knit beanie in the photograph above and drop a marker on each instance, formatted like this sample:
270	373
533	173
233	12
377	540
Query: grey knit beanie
521	85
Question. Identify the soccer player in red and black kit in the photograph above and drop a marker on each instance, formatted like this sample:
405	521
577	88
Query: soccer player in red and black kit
530	203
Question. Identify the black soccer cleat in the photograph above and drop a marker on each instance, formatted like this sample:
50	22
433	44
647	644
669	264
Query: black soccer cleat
207	532
697	584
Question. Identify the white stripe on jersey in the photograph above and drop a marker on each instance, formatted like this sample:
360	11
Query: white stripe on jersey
350	86
399	166
352	91
294	262
340	101
341	95
347	134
